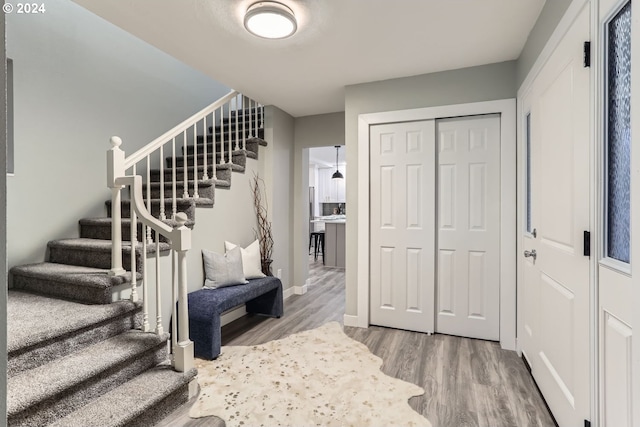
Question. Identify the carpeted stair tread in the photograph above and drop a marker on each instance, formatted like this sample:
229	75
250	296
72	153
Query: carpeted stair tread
206	189
221	183
41	328
251	144
141	401
186	205
99	245
249	152
97	252
222	171
83	284
106	222
86	276
45	382
238	157
37	318
168	186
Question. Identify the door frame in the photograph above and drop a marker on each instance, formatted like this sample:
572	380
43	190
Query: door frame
567	20
507	110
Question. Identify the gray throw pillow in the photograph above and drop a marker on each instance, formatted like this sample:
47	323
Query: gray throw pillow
223	270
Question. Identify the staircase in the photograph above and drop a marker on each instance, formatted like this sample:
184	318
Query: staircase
78	356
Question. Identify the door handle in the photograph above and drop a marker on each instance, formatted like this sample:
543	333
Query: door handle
532	253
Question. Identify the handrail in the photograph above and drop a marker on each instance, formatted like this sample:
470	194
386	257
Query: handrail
177	130
181	239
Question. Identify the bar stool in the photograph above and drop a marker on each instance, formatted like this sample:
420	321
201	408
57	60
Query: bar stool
318	244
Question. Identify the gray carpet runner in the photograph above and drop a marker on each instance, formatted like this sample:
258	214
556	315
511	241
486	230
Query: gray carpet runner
78	358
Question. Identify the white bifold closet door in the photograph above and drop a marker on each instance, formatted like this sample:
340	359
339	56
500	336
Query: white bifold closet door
468	223
402	225
435	226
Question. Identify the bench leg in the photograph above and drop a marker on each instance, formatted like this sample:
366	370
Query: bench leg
206	337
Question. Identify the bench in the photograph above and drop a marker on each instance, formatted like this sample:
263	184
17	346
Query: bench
261	296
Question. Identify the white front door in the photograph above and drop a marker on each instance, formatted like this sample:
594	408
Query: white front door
615	309
555	292
468	266
402	222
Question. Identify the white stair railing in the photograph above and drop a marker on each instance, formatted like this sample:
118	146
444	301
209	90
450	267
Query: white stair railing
151	211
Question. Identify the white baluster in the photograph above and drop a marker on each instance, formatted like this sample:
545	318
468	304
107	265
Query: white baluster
134	240
183	359
205	174
222	159
174	299
244	123
214	148
149	207
195	162
145	284
163	215
237	138
159	329
185	164
230	146
115	169
174	207
250	118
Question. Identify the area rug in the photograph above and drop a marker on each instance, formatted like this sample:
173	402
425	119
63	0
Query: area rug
319	377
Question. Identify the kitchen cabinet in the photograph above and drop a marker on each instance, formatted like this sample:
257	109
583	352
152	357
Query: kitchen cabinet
331	190
334	244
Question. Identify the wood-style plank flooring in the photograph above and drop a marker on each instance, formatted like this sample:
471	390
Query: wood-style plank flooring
468	382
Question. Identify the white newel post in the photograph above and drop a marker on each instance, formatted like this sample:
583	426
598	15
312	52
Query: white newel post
183	358
115	169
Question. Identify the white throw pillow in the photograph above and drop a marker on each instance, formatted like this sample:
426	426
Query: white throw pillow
251	263
223	270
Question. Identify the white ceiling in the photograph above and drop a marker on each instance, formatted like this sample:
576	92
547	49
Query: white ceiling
338	43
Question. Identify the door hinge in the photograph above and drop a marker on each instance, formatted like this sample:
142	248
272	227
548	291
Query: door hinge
586	244
587	54
587	423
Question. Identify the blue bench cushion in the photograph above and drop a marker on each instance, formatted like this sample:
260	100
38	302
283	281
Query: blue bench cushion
262	296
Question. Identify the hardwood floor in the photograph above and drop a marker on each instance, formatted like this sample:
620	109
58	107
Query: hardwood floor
467	382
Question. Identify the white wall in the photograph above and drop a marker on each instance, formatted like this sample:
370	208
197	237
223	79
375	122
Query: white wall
276	170
483	83
547	22
77	81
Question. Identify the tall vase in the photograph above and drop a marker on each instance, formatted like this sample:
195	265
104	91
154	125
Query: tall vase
266	267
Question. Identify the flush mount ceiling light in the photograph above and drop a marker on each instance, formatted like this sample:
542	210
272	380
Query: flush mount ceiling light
337	174
270	20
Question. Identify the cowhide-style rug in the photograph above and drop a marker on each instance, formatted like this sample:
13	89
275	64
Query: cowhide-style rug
319	377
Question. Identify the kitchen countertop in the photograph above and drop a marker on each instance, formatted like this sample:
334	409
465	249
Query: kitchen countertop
332	219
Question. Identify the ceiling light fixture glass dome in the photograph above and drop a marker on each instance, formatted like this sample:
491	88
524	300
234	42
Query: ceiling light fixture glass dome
270	20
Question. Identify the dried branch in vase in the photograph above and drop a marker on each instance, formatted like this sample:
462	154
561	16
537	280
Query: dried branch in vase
263	233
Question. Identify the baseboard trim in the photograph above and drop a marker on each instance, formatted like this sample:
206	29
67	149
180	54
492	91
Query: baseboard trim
300	290
350	320
288	293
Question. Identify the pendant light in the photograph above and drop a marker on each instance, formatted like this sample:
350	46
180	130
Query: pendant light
337	174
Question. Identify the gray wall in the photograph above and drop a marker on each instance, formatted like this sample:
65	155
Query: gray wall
277	172
310	131
549	18
3	227
77	81
475	84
